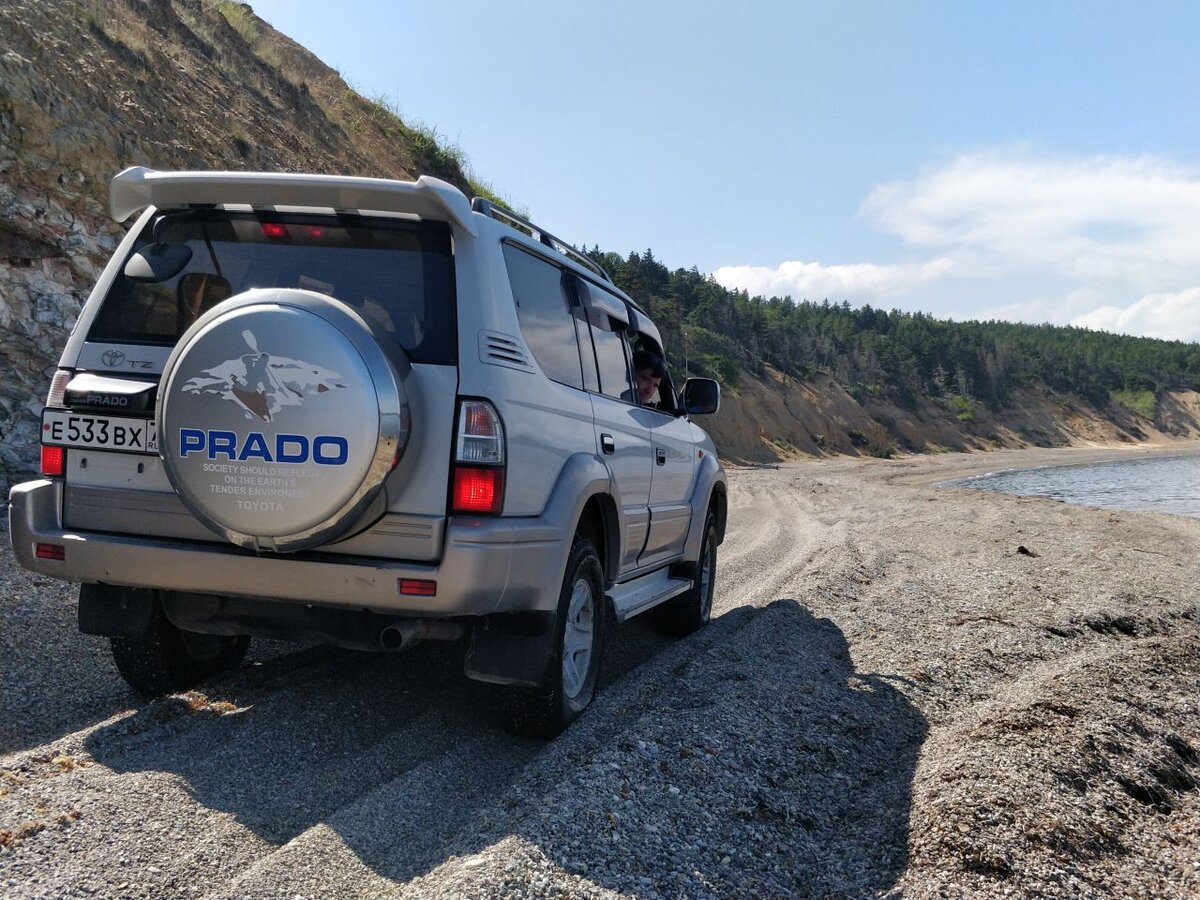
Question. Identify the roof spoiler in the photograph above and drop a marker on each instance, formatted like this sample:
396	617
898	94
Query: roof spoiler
139	187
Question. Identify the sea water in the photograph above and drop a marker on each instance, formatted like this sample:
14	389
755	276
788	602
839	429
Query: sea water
1167	484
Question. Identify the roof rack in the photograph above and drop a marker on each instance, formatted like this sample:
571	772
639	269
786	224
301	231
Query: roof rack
488	208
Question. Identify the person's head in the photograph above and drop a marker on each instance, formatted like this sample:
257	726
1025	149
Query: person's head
650	373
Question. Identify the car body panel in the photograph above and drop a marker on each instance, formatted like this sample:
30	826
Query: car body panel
118	518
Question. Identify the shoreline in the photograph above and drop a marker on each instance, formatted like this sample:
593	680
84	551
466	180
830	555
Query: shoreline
929	468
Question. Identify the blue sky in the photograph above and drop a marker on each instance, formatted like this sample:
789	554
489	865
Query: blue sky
1026	161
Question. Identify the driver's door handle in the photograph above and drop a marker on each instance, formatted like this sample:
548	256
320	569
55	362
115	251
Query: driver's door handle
660	456
607	444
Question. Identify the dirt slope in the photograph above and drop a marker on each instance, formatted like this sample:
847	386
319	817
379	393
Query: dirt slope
775	417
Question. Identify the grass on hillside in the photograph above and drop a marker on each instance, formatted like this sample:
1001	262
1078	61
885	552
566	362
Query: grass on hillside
442	154
434	153
1144	403
241	18
963	407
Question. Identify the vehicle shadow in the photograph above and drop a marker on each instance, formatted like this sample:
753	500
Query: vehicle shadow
55	681
792	771
761	763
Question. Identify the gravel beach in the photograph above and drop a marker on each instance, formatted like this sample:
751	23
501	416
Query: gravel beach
907	690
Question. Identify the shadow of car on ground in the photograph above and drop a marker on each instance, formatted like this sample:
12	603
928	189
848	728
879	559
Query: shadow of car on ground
750	758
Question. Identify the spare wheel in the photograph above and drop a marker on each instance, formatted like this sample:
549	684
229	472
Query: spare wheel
279	417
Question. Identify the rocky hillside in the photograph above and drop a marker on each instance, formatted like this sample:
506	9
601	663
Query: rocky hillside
88	87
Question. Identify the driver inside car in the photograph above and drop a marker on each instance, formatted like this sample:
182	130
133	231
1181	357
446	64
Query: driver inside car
650	370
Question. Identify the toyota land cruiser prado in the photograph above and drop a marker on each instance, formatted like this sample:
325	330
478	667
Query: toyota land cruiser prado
369	413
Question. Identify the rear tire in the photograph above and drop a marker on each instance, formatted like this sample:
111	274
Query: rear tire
691	611
569	683
167	659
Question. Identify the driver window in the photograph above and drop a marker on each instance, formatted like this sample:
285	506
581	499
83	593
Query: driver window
655	390
612	358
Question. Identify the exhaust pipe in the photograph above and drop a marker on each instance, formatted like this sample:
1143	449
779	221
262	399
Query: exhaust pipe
403	633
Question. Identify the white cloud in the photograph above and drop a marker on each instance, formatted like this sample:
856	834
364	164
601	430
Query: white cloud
859	283
1173	316
1011	235
1104	220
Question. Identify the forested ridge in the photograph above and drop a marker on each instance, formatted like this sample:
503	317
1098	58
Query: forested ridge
895	355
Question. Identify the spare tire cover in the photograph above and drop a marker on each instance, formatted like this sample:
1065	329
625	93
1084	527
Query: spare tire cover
279	417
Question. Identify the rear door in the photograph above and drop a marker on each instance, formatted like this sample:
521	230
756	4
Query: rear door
399	274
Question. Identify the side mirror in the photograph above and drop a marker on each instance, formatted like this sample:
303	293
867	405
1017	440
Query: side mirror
158	262
701	396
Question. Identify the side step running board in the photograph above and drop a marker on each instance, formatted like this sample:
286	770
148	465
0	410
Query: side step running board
637	596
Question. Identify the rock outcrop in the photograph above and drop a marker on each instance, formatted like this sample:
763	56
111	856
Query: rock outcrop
89	87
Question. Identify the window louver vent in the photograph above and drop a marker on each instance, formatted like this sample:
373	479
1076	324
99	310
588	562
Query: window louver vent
502	350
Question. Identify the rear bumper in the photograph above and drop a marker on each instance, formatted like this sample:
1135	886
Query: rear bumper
488	565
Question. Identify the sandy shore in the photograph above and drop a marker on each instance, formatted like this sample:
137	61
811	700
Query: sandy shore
895	698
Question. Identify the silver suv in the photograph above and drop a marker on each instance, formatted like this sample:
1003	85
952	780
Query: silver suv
369	413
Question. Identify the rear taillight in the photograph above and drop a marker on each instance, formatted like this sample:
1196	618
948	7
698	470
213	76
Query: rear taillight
478	491
478	478
57	395
480	434
54	460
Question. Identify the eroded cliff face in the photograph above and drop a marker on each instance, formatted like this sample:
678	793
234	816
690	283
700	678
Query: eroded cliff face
89	87
771	417
49	257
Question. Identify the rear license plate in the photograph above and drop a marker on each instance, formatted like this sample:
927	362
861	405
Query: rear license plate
68	429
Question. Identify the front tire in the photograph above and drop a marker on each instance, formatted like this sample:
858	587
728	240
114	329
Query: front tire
167	659
570	680
692	610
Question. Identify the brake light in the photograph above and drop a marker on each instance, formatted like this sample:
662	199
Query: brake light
478	478
54	460
478	492
274	230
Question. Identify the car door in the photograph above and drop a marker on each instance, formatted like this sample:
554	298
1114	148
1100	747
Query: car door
671	482
673	441
622	433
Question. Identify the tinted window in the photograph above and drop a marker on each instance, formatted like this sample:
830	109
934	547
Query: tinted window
611	359
544	311
591	378
399	274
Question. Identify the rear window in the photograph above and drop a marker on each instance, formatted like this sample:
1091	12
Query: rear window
397	273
